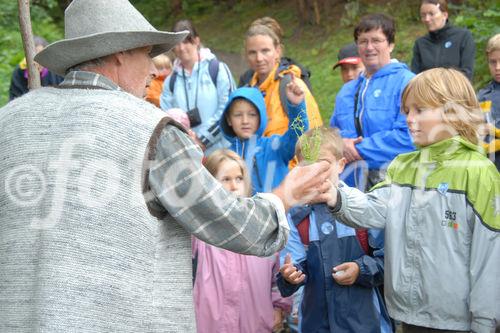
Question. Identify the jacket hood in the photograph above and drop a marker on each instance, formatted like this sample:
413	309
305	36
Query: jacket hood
393	67
251	95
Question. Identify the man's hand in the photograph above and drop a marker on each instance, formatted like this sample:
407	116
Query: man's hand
294	92
290	272
305	184
350	152
346	273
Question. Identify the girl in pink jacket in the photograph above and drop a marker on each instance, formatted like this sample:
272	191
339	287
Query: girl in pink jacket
235	292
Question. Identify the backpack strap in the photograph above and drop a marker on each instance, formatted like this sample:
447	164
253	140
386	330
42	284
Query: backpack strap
171	84
287	78
213	70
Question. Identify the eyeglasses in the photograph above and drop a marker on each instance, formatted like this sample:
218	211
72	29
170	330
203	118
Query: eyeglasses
431	15
375	42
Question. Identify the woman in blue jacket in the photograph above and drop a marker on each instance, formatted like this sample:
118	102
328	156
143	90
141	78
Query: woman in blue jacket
368	110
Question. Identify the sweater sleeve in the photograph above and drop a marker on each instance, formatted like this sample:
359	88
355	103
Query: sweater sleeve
198	202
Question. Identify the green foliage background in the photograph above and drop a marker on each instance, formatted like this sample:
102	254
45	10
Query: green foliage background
223	28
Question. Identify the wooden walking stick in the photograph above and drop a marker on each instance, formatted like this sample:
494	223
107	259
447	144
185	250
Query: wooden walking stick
28	44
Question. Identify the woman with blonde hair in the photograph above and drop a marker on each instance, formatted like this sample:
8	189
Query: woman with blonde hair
439	206
263	51
271	23
234	292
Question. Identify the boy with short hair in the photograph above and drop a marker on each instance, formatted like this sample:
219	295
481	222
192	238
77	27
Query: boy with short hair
340	267
489	96
243	123
350	62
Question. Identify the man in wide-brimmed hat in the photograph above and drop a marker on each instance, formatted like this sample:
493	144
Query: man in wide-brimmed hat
101	190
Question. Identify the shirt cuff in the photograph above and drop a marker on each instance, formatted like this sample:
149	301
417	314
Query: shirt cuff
278	206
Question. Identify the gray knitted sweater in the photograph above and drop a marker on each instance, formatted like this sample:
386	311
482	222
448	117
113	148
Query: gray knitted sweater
80	249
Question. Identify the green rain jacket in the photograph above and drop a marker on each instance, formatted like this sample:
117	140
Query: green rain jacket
440	210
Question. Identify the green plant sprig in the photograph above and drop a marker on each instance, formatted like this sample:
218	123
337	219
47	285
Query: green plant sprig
309	145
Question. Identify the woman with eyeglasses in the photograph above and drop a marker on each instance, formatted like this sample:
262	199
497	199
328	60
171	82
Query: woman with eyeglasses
445	45
200	85
368	109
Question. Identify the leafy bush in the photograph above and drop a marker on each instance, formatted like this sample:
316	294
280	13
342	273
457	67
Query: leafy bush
482	18
11	49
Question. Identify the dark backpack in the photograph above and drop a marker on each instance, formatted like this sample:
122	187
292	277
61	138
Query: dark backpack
305	74
213	70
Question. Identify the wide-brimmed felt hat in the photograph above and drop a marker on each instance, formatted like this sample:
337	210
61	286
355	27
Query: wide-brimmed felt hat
348	55
97	28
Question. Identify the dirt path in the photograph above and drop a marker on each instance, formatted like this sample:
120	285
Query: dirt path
235	61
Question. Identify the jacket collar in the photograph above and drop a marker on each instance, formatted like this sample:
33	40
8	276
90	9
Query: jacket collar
91	79
441	33
446	150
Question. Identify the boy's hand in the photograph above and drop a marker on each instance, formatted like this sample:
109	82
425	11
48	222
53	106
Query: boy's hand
290	272
305	184
346	273
331	195
294	92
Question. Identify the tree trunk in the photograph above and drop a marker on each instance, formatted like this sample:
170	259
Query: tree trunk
28	44
317	15
302	11
176	7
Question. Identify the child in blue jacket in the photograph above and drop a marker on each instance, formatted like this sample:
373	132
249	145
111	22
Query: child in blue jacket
243	122
340	267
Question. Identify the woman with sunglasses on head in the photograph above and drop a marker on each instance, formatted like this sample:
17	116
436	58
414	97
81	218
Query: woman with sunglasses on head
263	50
445	45
200	85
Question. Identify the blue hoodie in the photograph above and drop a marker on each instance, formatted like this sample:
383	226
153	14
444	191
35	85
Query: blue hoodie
267	158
